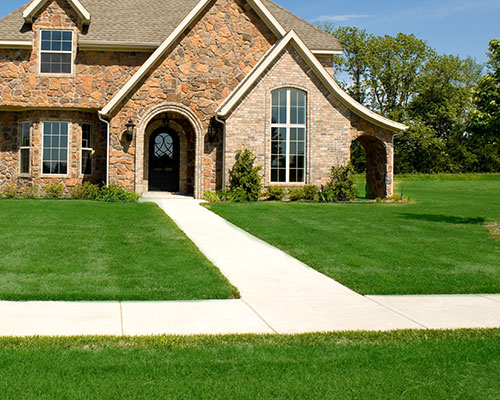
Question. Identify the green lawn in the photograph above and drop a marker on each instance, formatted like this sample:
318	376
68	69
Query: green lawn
438	244
405	364
83	250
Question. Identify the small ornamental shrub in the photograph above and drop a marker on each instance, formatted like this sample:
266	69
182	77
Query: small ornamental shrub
53	191
275	193
245	180
114	193
342	183
31	192
311	192
295	194
9	191
211	196
224	195
85	190
399	198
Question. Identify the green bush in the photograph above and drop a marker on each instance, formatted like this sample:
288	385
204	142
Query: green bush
211	196
31	192
85	190
9	191
275	193
245	180
342	183
225	195
310	192
295	194
114	193
53	191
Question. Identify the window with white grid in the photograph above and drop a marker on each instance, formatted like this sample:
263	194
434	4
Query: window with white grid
288	135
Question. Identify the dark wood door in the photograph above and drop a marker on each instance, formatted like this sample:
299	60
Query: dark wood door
164	161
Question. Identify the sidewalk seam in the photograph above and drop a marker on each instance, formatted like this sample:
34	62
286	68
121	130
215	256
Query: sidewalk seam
121	319
260	316
485	296
396	312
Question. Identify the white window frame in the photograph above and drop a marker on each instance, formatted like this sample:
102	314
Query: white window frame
288	126
68	168
71	52
21	148
91	149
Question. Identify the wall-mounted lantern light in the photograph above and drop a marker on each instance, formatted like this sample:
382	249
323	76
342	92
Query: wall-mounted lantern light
213	130
130	130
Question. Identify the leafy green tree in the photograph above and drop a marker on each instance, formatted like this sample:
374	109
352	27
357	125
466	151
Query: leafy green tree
486	116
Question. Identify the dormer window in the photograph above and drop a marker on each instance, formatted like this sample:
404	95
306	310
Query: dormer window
56	52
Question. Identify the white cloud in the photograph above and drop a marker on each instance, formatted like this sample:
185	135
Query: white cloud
342	18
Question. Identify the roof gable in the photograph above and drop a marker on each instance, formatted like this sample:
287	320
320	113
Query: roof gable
293	39
258	7
30	12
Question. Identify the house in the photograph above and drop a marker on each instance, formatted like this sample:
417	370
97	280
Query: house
158	95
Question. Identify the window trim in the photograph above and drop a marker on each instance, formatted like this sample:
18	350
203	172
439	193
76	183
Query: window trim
72	53
288	127
68	169
21	147
91	149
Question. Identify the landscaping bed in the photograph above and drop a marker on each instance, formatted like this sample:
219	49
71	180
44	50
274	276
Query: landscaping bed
404	364
437	244
86	250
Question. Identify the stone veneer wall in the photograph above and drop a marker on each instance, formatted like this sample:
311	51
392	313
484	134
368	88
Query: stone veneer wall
97	76
331	127
206	64
10	142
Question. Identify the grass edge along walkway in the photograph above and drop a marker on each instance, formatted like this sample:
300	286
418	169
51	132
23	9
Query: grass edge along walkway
392	365
79	250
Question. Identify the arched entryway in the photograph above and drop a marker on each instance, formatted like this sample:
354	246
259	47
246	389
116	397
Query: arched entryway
169	154
369	155
164	160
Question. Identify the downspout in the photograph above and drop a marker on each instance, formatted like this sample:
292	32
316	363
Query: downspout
223	122
107	145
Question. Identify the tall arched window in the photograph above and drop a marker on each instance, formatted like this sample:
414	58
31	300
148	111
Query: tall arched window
288	135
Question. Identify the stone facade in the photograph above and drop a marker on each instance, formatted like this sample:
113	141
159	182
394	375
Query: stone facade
182	91
10	142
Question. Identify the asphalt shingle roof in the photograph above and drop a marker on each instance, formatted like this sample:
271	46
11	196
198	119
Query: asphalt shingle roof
151	21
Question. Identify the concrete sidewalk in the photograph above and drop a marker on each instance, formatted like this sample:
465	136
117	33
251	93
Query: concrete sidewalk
279	295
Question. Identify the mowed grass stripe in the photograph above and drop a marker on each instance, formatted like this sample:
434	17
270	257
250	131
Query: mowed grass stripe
83	250
406	364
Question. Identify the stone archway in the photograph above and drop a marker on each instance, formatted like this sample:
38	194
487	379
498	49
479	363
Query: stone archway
376	166
188	128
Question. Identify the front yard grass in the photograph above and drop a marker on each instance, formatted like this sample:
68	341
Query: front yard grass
83	250
438	244
403	364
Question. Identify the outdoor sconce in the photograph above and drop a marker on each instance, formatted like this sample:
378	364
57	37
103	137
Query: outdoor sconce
130	130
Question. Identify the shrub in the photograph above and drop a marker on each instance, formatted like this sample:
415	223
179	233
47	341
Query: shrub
342	183
31	192
275	193
310	192
114	193
398	198
85	190
296	193
245	180
53	191
9	191
224	195
211	196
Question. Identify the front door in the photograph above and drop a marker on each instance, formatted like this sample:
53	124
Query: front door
164	161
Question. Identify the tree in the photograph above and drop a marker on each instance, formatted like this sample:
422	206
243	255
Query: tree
486	116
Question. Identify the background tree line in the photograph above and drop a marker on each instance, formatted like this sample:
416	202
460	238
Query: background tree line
450	105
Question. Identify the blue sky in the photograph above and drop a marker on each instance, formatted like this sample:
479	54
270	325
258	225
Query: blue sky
460	27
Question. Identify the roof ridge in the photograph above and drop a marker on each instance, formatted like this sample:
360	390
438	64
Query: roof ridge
15	11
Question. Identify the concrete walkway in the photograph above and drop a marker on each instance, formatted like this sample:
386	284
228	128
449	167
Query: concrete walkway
279	295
